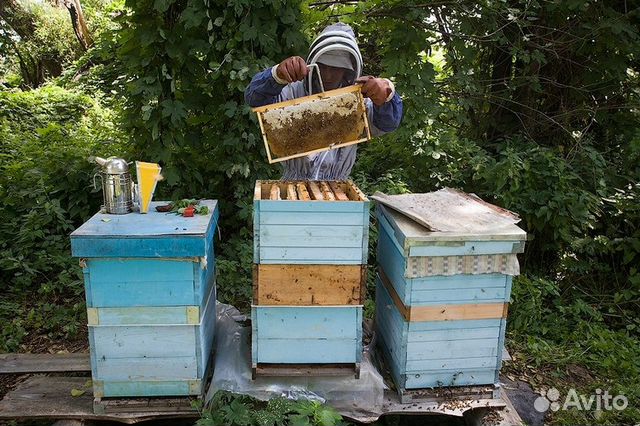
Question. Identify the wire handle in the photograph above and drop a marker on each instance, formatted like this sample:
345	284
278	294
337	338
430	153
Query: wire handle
311	77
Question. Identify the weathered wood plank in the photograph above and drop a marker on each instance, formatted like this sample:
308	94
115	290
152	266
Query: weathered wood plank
275	192
305	335
303	193
315	191
151	225
14	363
445	312
48	397
311	255
339	193
306	370
311	236
308	284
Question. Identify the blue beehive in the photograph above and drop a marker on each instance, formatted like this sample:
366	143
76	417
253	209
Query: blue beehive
441	301
151	300
310	254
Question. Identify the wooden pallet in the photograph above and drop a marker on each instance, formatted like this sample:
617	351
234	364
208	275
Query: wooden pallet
48	397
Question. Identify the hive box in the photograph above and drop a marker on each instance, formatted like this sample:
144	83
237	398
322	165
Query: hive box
441	301
151	300
310	255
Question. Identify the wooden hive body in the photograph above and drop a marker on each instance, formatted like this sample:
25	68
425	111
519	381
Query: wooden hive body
310	258
151	300
441	302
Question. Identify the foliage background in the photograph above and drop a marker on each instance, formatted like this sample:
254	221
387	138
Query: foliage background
530	104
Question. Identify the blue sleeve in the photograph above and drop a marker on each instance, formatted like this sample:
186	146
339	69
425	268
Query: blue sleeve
387	116
262	90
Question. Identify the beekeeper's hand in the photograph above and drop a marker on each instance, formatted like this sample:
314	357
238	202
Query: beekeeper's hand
379	90
291	69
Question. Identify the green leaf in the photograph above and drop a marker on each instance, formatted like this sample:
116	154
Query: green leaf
77	392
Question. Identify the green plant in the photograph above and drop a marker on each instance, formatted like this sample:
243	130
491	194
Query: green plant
46	136
234	410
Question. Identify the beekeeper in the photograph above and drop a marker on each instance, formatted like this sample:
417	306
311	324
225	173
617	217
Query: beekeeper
339	61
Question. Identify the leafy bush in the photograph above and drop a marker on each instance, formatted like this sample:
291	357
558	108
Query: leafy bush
46	136
235	410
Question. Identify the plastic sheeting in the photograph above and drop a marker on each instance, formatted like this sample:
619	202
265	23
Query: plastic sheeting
232	372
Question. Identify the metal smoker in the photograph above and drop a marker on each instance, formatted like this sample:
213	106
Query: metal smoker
117	186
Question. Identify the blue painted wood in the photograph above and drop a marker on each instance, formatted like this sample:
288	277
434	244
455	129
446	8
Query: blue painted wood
311	255
138	247
288	206
311	236
445	349
466	248
151	224
416	327
466	363
143	315
146	235
437	353
306	334
458	377
144	341
256	230
206	333
310	232
149	388
151	353
391	260
306	351
297	322
309	218
118	282
422	242
254	337
148	369
503	328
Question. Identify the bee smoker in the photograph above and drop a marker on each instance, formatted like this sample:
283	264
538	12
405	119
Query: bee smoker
117	186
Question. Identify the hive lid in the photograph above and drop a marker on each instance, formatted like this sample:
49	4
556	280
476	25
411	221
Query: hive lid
164	234
449	215
152	224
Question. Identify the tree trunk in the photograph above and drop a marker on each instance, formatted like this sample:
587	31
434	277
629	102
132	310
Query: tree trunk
79	23
16	17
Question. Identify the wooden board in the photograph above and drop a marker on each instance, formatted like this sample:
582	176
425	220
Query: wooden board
444	312
309	284
306	335
265	188
146	235
130	282
409	232
338	192
49	398
309	232
306	370
13	363
315	191
422	354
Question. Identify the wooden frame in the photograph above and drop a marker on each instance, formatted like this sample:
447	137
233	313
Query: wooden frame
448	312
342	190
319	97
309	285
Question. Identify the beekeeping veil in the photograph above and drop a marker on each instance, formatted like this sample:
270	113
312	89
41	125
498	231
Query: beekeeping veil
335	46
